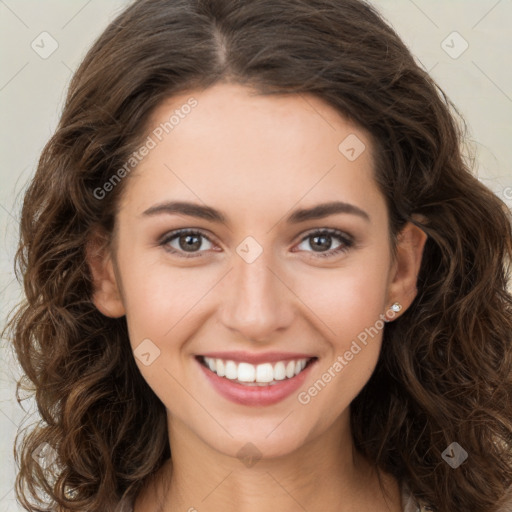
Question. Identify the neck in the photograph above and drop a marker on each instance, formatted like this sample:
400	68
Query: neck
324	473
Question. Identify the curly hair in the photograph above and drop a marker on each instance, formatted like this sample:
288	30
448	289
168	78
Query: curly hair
444	372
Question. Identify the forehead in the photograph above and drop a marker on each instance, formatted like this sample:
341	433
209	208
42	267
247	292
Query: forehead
232	143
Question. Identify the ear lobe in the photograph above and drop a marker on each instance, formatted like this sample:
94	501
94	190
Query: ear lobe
106	296
409	252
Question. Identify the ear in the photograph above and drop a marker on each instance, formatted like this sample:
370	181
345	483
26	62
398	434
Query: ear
106	291
409	252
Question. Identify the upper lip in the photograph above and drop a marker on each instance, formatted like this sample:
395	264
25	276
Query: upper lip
257	358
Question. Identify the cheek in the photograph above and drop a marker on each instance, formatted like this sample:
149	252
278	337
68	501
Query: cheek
350	303
347	299
157	296
353	341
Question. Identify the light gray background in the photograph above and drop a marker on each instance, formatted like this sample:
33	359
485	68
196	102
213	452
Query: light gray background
32	90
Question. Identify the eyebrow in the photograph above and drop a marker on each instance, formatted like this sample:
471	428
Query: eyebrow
208	213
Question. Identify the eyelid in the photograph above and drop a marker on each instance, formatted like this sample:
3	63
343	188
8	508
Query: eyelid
331	231
168	235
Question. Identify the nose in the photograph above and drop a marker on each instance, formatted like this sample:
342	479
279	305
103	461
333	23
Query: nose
256	300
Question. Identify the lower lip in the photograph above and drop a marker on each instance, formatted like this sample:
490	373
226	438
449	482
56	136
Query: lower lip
256	395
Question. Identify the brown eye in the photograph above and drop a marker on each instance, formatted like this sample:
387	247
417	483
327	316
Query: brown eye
321	241
185	241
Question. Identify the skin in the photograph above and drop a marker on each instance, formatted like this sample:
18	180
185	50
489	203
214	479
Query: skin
257	159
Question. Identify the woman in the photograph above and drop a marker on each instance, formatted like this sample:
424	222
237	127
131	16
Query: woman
260	275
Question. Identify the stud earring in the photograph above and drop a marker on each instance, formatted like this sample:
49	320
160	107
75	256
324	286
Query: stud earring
396	307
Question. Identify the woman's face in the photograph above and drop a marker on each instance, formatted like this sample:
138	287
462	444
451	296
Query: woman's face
262	285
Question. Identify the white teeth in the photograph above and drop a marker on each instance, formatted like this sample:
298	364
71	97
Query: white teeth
279	371
231	370
257	374
264	373
246	372
219	367
290	369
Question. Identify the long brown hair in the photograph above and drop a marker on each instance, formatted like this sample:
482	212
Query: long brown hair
444	372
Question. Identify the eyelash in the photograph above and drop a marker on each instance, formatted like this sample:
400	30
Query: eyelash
347	241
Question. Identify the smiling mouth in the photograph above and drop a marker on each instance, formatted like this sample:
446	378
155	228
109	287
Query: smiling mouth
247	374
